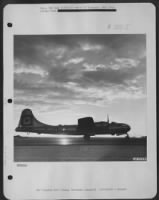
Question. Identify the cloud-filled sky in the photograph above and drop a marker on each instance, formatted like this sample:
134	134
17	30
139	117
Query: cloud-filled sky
65	77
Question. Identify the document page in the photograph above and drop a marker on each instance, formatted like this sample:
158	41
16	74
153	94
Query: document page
80	101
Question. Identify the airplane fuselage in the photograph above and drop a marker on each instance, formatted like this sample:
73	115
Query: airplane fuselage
86	126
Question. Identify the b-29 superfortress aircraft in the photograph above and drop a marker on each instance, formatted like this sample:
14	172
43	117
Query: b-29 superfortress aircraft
86	127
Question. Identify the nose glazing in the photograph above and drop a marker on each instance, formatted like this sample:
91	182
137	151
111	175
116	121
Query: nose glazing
128	128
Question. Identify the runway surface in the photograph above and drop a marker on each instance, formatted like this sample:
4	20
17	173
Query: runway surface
34	149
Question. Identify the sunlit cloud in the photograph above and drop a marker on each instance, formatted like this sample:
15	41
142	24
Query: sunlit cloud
33	69
74	61
91	47
127	62
91	67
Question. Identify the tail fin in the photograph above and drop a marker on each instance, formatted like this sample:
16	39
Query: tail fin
27	121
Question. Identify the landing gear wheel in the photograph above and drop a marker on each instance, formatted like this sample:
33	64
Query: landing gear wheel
127	136
86	137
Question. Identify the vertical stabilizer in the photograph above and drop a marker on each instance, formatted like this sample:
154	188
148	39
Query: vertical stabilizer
28	122
26	118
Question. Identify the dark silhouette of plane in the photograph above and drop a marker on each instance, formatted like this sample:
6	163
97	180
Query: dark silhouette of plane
86	126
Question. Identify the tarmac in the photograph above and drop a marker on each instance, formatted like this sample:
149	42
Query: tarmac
41	149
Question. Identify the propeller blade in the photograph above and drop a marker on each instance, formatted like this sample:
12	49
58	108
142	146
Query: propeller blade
108	118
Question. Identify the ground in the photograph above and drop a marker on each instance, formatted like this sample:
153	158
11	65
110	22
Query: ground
33	149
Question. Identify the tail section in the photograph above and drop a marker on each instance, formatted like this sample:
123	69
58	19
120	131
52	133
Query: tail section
28	123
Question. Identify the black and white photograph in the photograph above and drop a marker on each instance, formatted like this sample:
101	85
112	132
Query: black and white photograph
80	97
80	101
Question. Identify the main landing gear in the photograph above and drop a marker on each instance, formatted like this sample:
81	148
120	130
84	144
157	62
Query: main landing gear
87	137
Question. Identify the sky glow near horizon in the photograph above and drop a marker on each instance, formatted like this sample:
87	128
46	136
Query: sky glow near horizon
66	77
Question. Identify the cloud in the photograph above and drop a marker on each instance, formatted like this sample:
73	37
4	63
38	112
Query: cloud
120	73
21	68
57	52
59	72
91	67
74	61
91	47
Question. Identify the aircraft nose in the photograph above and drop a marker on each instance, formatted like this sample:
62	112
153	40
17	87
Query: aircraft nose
128	128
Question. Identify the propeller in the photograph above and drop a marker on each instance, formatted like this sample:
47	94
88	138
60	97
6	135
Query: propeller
108	118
